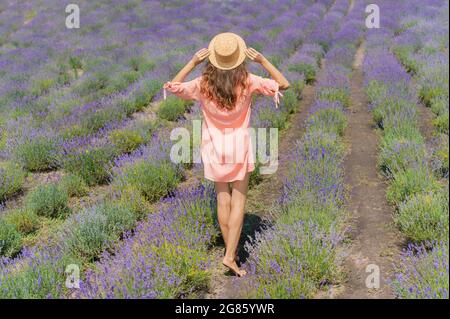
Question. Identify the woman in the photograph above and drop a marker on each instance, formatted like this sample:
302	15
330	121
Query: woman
225	92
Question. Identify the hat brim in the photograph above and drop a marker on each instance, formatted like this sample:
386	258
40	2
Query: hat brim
239	60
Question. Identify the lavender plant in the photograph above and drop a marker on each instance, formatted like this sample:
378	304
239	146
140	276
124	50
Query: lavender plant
424	217
10	239
25	221
12	178
423	273
48	200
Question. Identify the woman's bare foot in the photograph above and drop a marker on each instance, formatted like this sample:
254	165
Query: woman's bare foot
236	257
231	264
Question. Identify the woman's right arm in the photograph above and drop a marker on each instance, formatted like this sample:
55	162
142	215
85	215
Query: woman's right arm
255	56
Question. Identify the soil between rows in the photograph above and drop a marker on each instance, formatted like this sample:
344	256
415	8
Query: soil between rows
374	238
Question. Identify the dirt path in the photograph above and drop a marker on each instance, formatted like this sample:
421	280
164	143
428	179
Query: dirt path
374	238
425	118
425	121
260	203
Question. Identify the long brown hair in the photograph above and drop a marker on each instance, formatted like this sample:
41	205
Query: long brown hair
221	85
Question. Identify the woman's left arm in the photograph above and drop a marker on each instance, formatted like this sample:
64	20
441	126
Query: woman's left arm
198	57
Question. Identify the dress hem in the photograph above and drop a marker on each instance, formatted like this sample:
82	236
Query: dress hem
249	170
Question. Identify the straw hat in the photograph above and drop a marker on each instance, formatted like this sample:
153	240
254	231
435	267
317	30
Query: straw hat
227	51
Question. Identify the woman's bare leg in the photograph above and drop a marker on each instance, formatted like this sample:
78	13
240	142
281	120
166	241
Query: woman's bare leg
223	207
235	223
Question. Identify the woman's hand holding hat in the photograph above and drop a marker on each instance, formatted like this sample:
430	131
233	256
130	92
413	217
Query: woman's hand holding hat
254	55
199	56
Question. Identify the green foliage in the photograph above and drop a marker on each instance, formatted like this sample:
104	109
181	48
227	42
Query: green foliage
440	156
431	91
12	178
323	140
387	107
308	70
425	217
403	131
74	185
126	140
74	131
141	97
95	121
255	176
121	81
132	199
376	91
298	85
152	180
441	123
410	182
41	86
289	103
403	53
273	32
38	154
49	200
276	60
399	154
75	63
335	95
92	165
141	63
329	120
171	109
93	84
270	116
95	229
439	105
24	221
10	240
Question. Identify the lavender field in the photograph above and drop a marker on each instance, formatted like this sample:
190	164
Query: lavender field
87	181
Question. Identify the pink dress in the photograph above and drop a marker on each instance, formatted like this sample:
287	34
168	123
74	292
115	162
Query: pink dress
226	146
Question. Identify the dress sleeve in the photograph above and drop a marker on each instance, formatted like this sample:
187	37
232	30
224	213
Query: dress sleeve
266	87
186	90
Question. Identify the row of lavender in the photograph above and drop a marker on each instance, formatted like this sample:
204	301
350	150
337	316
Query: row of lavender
422	48
297	255
96	228
90	160
416	190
